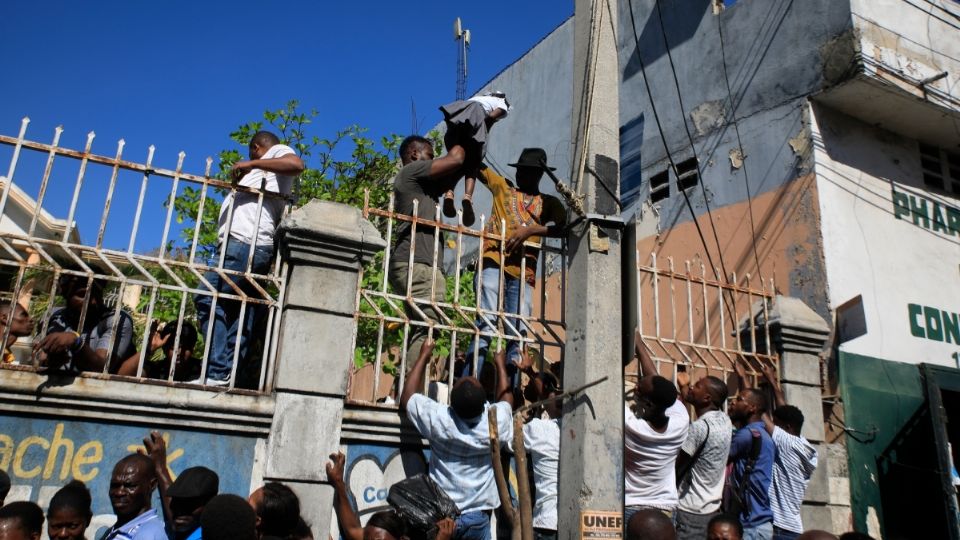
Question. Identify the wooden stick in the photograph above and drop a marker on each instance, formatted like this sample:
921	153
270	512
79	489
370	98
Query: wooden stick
506	505
523	480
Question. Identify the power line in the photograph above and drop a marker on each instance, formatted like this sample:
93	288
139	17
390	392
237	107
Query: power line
663	137
736	129
686	128
666	149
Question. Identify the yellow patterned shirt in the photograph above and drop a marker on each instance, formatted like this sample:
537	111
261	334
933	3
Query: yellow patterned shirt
517	209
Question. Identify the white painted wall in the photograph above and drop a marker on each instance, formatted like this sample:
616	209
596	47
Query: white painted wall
868	251
918	37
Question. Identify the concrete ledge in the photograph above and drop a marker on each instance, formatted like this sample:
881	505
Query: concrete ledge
99	399
324	230
380	425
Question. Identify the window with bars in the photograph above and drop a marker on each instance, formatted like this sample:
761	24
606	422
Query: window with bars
940	169
687	177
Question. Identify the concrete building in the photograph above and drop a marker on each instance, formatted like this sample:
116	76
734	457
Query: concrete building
816	143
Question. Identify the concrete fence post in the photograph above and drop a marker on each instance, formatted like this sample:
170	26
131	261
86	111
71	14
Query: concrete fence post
325	245
798	334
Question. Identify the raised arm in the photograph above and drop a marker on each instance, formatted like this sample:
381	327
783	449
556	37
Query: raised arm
683	382
771	376
129	366
347	519
286	165
414	381
647	367
157	452
504	393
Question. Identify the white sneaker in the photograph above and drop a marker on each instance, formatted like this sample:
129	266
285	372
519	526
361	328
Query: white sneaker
210	382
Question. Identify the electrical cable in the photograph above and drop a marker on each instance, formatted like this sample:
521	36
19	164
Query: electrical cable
686	128
743	157
584	114
666	148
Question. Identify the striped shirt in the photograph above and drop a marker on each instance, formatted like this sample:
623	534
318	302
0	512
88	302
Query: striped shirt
460	460
796	459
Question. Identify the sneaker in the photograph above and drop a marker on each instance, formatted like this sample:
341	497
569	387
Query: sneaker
210	382
220	383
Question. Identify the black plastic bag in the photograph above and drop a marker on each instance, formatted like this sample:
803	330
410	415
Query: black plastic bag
421	503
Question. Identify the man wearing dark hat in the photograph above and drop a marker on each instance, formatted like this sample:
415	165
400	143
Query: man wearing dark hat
184	499
528	215
189	494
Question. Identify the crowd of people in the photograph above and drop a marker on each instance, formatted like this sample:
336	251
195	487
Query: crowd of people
739	474
192	506
84	334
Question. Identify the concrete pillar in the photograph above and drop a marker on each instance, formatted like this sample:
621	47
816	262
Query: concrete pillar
591	443
798	334
325	244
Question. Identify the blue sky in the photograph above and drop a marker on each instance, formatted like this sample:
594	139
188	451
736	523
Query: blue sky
182	75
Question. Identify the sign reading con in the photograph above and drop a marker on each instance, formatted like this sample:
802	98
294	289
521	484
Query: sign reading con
597	524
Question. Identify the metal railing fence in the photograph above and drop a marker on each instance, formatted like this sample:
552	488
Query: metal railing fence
384	326
691	321
34	263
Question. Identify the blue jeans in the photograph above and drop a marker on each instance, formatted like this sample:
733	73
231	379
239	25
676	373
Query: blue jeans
764	531
473	526
489	301
226	317
784	534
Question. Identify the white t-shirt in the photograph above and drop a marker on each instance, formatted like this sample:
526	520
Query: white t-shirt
246	223
541	437
490	103
701	490
651	457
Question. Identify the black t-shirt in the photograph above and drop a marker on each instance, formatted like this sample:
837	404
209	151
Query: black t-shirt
413	183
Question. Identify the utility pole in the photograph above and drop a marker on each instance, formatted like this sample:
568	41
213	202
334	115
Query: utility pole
590	503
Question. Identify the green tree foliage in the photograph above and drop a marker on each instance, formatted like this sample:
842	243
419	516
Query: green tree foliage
339	169
343	168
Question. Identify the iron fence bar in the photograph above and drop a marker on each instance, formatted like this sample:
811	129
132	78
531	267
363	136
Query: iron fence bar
113	184
143	192
77	186
129	165
17	143
267	386
171	204
44	182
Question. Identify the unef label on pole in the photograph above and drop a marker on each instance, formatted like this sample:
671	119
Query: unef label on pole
607	525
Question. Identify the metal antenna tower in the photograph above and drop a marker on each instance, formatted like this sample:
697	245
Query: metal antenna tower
462	37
